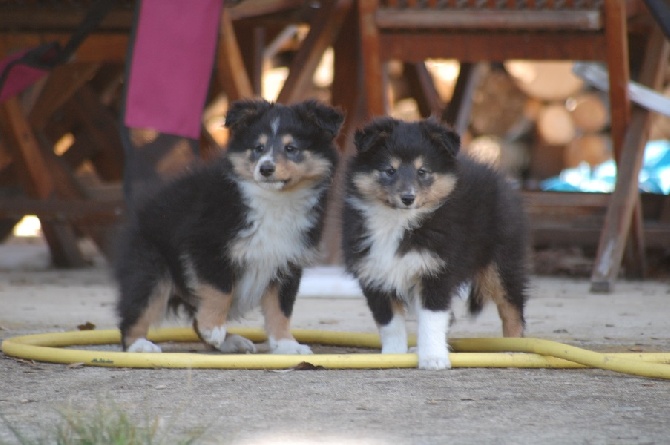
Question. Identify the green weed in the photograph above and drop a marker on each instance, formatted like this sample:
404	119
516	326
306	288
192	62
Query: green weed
106	425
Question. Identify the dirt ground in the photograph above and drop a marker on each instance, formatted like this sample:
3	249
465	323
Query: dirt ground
396	406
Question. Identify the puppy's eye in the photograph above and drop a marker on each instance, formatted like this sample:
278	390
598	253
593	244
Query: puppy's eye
390	171
290	148
422	172
259	148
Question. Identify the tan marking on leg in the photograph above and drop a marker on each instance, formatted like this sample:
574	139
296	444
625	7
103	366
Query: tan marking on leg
398	307
277	325
488	279
213	306
153	313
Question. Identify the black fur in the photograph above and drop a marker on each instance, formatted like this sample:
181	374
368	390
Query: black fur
202	213
480	223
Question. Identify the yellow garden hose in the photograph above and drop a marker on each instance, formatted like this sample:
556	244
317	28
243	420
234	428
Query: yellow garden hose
468	353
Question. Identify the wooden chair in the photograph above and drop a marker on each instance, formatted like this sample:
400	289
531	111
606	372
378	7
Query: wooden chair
473	31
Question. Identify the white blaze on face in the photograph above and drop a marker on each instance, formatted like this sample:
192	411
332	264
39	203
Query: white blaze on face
275	126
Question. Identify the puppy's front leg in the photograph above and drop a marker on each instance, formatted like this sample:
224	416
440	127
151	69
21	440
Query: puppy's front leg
431	338
277	306
210	321
389	314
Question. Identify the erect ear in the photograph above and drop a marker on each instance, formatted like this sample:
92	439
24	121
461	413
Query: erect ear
442	136
243	111
328	119
374	134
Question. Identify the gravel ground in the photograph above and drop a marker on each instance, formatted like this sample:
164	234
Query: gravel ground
395	406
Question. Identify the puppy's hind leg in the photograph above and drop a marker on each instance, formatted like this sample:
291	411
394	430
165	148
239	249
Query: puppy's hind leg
277	306
210	319
507	292
136	321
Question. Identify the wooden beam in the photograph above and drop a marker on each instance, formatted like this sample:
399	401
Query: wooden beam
374	74
97	127
323	31
37	180
625	197
457	112
482	19
98	47
62	82
231	71
422	88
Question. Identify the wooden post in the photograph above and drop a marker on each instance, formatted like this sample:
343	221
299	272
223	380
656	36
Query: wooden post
621	212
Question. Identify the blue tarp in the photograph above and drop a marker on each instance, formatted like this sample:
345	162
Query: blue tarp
654	175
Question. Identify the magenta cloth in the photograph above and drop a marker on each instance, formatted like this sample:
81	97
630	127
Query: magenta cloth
20	76
171	65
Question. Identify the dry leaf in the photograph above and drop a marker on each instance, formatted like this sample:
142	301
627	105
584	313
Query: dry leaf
88	326
302	366
306	366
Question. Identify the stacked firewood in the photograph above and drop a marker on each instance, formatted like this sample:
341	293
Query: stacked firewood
532	119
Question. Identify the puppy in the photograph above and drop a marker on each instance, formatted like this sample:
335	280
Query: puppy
234	234
421	221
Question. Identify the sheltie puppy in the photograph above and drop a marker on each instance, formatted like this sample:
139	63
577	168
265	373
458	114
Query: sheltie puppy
420	222
234	234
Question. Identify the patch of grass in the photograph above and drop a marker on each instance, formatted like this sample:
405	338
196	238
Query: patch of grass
106	425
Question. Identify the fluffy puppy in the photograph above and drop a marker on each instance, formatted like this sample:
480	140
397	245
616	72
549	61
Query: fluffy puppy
234	234
420	222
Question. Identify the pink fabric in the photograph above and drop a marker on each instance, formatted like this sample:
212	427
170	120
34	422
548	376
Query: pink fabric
20	77
171	65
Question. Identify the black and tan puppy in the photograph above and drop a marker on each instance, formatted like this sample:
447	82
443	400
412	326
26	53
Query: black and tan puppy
235	234
420	222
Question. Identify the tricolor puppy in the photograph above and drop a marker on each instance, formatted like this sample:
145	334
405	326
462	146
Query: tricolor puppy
235	234
420	222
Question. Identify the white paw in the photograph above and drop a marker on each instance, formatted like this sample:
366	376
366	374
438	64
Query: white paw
434	362
237	343
227	343
143	345
431	341
394	336
286	346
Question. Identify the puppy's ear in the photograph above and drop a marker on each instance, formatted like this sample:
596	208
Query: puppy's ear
442	136
329	119
374	134
243	111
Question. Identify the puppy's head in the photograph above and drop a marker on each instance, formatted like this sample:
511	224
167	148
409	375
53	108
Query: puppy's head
283	147
405	165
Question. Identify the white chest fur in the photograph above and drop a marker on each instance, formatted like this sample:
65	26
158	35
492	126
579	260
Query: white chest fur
277	224
383	267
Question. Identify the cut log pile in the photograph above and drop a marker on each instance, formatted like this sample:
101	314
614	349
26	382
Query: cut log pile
532	119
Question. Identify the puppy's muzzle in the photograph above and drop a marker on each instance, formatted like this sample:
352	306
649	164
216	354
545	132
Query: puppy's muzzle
267	169
407	198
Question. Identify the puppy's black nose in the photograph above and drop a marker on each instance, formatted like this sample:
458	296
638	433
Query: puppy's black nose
407	199
267	169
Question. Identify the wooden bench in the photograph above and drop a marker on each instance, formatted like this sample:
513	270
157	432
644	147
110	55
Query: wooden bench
80	99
